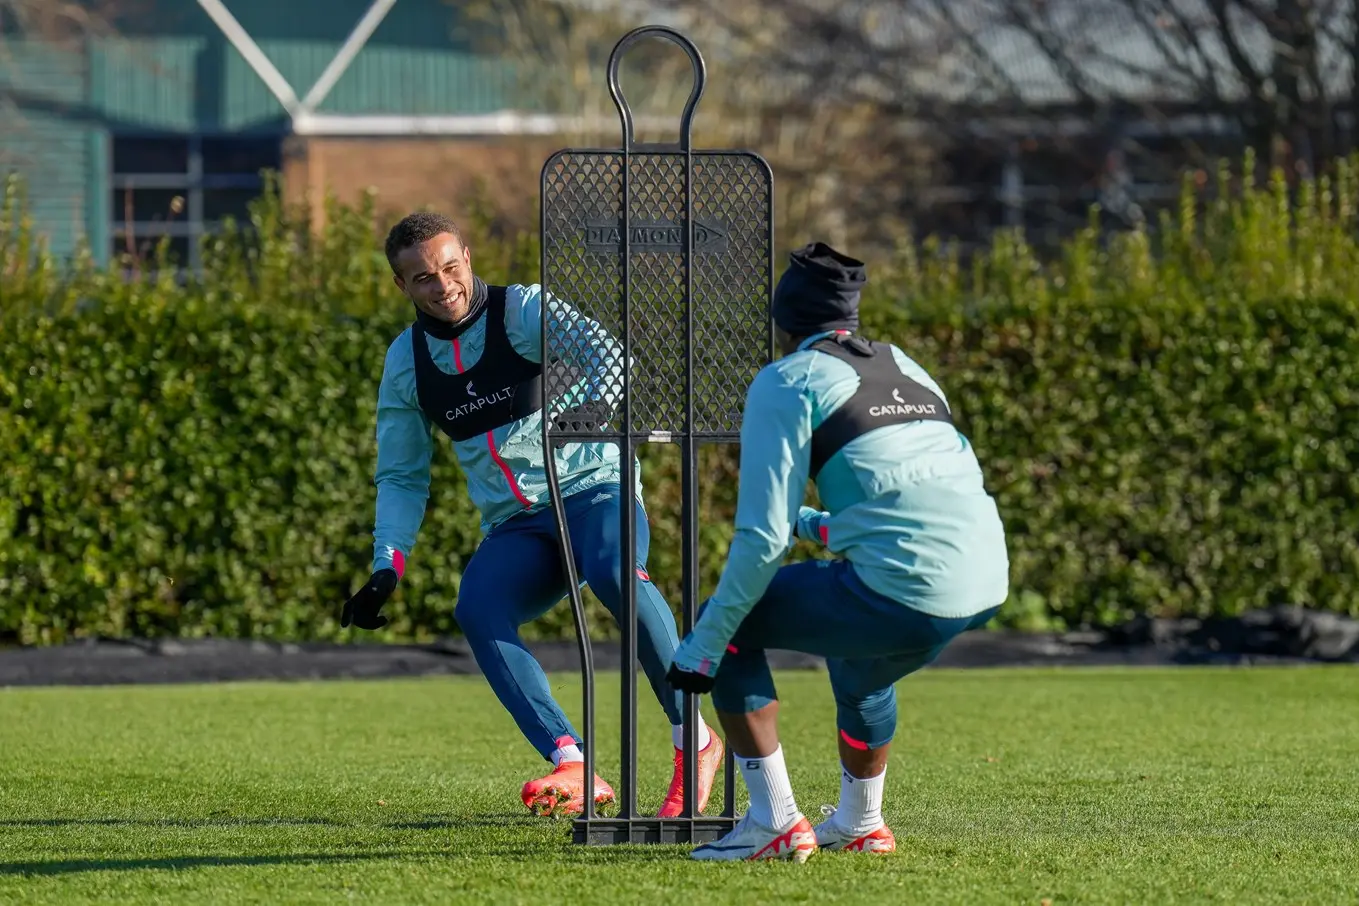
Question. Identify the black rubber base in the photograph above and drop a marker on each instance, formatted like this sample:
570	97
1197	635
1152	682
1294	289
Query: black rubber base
610	831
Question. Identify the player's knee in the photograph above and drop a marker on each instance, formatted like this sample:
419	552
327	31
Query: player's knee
742	698
869	719
743	682
876	701
479	617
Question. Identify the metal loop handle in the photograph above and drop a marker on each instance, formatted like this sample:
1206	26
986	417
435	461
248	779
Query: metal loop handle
695	59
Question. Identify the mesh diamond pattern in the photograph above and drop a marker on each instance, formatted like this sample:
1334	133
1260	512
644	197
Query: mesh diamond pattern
583	276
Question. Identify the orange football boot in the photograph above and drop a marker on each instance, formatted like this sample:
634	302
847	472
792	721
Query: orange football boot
709	761
563	791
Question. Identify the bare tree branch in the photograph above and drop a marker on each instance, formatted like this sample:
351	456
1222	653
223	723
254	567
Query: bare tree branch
859	103
977	53
1221	10
1156	18
1031	19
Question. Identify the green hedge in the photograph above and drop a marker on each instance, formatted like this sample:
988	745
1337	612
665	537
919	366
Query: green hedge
1167	417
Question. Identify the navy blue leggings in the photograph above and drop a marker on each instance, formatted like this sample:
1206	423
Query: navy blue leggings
870	642
516	576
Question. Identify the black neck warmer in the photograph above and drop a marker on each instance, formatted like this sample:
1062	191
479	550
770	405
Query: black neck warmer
446	330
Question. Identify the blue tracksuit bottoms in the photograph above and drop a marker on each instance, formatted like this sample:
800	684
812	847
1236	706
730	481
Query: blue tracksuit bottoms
870	642
516	576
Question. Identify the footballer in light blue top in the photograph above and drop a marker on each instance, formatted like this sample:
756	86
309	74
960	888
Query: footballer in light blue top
906	503
920	554
469	367
504	468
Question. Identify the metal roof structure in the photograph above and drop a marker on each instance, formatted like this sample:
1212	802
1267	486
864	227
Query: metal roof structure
303	104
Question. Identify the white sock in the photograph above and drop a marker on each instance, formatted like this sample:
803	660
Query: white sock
567	753
860	808
771	795
704	737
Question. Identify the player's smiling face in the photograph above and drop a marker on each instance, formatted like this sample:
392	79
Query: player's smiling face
437	276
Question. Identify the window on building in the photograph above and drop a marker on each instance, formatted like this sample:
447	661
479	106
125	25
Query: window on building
182	187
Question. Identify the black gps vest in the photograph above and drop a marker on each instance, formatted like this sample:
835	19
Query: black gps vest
500	388
885	397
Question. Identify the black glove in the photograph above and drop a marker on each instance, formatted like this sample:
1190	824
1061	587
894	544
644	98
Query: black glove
693	683
364	608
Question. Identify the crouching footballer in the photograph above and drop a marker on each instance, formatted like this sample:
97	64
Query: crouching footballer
921	557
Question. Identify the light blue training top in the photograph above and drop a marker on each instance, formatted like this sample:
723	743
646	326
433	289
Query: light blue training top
906	503
505	467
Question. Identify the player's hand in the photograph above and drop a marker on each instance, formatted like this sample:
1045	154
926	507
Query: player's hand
364	608
691	670
685	681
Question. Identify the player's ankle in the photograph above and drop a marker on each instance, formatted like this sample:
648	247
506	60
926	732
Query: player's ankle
771	795
860	809
704	735
565	754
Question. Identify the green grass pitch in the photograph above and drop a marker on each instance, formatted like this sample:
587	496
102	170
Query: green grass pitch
1005	786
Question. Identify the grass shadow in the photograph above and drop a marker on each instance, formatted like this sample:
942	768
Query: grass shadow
457	822
572	855
513	836
173	822
558	847
175	863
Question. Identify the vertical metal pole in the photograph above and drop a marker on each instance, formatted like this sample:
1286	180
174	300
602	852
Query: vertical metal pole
689	479
568	556
587	664
628	623
689	521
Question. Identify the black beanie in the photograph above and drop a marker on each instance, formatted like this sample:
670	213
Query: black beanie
819	291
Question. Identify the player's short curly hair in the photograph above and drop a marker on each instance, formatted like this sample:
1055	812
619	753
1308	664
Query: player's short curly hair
416	228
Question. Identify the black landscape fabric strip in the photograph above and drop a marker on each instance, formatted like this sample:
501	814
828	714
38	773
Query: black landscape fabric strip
1272	636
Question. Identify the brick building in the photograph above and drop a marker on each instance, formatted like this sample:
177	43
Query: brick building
166	128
